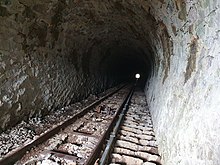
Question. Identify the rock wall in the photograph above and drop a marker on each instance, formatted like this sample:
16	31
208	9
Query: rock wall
40	64
55	52
183	94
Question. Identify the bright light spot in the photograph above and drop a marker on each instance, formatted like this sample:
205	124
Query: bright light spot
137	76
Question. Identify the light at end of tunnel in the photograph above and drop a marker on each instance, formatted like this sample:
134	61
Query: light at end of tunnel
137	76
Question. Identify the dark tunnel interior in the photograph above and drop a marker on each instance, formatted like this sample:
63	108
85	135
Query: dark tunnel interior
121	64
117	61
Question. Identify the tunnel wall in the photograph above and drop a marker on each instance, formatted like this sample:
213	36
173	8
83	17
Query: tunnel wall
53	52
40	61
183	92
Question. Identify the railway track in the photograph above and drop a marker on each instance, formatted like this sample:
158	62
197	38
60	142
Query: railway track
73	141
116	129
132	142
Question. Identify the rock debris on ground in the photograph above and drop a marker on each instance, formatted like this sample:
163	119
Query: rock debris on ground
27	131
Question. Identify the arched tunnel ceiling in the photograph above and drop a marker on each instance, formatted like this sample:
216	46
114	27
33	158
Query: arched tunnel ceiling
108	25
84	30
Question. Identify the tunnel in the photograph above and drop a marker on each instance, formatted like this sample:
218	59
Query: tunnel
54	53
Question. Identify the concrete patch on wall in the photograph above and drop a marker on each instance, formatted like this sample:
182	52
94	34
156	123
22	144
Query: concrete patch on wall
181	7
167	45
191	62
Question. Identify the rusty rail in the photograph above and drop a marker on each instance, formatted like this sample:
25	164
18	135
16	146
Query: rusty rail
11	158
97	150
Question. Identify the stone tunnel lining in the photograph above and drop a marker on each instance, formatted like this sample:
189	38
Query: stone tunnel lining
73	43
51	50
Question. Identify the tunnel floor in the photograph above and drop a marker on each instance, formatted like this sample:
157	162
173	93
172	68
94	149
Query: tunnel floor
135	143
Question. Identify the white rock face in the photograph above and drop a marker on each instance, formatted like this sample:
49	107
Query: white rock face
185	106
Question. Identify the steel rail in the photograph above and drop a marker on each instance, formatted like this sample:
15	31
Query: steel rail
99	147
13	157
113	135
